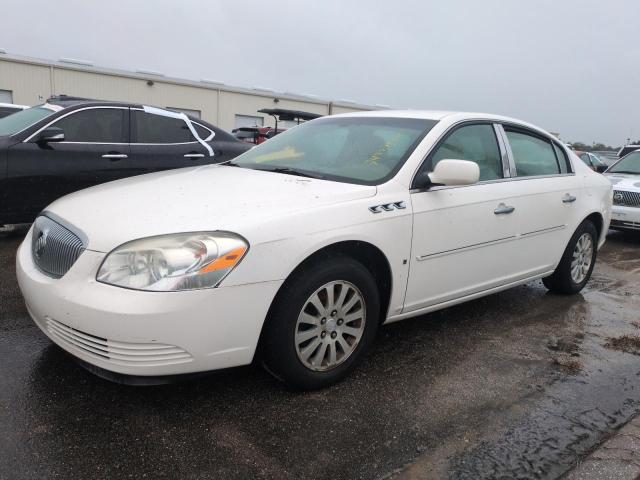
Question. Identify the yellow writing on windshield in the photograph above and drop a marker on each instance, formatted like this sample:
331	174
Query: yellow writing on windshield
374	159
287	153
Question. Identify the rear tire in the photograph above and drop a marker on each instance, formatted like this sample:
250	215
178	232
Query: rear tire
322	323
579	258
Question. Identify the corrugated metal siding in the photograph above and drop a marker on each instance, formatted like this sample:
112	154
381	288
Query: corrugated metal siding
160	94
32	83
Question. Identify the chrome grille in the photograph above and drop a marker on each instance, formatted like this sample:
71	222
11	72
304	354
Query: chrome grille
627	199
54	248
118	353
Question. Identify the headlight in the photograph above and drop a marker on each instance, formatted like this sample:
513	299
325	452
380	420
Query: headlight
170	263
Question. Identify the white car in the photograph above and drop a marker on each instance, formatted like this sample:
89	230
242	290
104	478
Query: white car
625	177
296	251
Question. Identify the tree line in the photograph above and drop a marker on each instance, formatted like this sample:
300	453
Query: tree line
597	147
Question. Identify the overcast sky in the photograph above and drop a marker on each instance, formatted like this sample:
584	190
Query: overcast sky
570	66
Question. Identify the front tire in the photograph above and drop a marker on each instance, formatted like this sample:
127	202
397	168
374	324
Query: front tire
322	323
579	258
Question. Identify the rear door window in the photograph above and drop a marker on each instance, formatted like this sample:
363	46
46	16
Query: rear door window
533	155
563	161
94	125
151	128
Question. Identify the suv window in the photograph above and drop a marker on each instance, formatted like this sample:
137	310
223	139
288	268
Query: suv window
150	128
99	125
532	155
203	132
476	143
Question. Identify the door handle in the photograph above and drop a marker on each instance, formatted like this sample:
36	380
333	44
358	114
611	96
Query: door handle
115	156
194	155
503	209
568	198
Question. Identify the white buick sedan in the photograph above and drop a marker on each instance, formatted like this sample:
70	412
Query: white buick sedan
296	251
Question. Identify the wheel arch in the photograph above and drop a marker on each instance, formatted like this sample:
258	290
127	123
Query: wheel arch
371	257
598	221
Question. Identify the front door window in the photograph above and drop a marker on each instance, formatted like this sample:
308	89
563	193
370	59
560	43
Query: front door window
94	125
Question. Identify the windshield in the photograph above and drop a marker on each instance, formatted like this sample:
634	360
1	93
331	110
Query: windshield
362	150
629	164
16	122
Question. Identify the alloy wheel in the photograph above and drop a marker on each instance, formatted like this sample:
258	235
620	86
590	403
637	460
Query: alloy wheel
582	258
330	325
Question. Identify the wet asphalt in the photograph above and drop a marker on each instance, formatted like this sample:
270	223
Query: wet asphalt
518	384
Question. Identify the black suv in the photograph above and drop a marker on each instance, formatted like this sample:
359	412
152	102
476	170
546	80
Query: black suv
68	144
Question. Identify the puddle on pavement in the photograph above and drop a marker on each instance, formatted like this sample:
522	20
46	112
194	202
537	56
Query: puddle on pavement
596	391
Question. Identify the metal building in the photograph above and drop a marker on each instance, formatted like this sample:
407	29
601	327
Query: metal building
30	81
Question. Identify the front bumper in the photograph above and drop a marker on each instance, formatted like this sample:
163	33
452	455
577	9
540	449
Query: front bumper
144	333
625	218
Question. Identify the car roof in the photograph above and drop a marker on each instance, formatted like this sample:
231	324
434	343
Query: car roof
67	101
438	115
423	114
429	115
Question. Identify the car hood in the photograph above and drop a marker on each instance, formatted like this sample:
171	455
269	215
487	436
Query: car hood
624	181
212	197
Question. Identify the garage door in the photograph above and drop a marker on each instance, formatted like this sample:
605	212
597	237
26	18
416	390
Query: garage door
6	96
248	121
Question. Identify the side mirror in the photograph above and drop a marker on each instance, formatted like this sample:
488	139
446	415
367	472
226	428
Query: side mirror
51	134
455	172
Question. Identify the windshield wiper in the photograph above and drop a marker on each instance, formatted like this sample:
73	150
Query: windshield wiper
624	171
286	171
228	163
295	171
